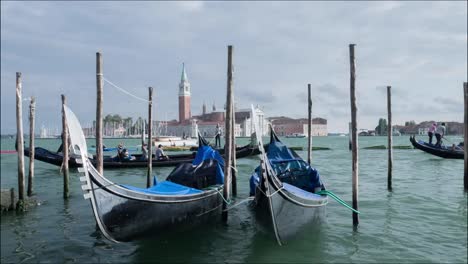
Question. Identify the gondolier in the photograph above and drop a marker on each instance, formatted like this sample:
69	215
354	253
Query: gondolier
431	131
218	136
440	132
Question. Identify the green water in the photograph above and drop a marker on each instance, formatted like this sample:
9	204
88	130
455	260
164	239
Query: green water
423	220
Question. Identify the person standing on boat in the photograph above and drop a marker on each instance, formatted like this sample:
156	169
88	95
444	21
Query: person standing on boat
160	153
144	152
431	131
218	136
440	133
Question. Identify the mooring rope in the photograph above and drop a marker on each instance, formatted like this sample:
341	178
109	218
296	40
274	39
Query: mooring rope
125	91
338	199
239	203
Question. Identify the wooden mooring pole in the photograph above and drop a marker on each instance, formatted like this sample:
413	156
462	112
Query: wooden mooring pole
150	138
309	125
233	146
99	101
20	141
390	138
354	137
465	92
350	133
66	190
32	109
228	136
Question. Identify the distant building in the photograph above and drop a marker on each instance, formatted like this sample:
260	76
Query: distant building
205	123
285	126
184	97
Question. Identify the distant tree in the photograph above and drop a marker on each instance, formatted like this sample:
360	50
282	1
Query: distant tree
381	129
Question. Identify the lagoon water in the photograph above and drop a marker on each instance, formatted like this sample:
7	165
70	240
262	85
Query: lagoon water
423	220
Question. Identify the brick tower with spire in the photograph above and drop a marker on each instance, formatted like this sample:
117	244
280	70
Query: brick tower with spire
184	97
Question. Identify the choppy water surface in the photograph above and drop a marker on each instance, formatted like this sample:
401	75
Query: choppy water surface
423	220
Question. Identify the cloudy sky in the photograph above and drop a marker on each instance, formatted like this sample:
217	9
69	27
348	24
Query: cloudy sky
419	48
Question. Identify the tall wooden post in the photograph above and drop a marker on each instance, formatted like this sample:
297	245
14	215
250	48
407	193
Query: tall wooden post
20	141
309	126
143	125
227	145
354	137
99	101
150	138
233	146
390	138
32	109
465	179
65	151
350	134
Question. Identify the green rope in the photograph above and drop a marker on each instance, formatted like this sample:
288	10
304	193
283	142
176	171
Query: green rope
338	199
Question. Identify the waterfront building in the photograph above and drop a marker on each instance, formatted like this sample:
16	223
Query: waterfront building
188	125
285	126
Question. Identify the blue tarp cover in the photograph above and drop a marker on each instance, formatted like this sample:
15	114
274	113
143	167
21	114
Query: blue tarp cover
284	162
207	152
165	188
204	152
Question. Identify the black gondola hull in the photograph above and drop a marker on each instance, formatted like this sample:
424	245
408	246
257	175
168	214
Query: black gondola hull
289	214
47	156
445	153
125	215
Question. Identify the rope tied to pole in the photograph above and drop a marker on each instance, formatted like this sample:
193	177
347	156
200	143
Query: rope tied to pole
338	199
125	91
239	203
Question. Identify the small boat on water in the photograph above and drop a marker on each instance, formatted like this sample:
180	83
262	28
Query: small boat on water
110	162
168	141
285	190
296	135
190	195
442	151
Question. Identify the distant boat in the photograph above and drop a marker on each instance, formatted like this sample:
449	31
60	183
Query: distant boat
442	151
296	135
167	141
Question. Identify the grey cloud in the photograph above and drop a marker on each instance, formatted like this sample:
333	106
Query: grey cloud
279	48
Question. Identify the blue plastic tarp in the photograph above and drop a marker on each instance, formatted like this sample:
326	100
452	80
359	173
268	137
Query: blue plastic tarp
165	188
207	152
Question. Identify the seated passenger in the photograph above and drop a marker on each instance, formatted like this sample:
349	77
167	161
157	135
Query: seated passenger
126	156
159	155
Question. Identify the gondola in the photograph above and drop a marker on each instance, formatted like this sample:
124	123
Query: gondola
109	162
284	188
190	195
442	151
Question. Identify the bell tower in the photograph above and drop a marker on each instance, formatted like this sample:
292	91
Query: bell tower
184	97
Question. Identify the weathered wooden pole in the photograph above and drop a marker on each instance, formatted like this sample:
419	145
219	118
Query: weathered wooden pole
354	137
390	138
32	109
465	179
20	141
228	136
150	138
143	127
233	146
309	126
66	190
99	101
350	133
